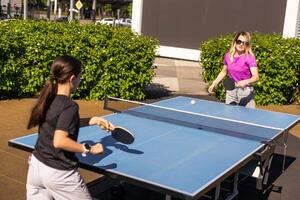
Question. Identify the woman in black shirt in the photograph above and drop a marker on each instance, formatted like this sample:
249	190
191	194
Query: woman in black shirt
53	169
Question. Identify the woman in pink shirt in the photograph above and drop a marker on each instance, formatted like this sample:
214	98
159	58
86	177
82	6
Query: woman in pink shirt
240	65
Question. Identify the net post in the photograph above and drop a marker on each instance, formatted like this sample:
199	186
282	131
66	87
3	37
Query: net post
105	103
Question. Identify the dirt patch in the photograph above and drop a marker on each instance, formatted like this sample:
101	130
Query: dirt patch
291	109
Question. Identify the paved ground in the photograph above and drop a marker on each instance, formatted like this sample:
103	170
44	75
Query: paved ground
173	77
178	76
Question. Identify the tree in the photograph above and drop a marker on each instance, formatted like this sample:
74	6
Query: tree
129	9
108	9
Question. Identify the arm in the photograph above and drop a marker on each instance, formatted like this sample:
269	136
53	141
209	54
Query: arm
96	121
101	122
62	141
219	78
254	78
61	137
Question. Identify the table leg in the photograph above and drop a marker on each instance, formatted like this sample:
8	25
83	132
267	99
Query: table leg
235	187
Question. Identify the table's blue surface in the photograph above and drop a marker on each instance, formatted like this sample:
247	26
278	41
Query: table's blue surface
178	158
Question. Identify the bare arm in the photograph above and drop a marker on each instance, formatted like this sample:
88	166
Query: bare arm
62	141
96	121
101	122
219	78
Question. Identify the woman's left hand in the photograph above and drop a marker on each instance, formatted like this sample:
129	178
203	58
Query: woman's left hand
241	84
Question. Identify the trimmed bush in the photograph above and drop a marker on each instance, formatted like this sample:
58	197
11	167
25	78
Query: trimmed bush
116	61
278	62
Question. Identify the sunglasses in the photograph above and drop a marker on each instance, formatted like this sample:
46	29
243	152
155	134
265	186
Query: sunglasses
242	42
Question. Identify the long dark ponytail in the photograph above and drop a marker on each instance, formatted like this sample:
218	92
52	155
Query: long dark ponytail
62	68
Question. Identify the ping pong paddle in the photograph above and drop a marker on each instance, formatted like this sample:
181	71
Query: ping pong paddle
229	83
122	135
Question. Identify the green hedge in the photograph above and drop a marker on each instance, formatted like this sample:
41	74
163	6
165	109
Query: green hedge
278	61
117	62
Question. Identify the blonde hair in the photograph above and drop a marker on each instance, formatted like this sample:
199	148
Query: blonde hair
248	49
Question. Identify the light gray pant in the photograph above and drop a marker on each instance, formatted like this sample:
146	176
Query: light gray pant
45	183
241	96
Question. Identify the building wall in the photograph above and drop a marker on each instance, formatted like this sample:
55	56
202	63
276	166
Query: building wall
292	19
13	4
185	24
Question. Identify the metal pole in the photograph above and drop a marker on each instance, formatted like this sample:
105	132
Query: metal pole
48	9
71	11
79	17
59	10
25	10
94	10
55	8
9	9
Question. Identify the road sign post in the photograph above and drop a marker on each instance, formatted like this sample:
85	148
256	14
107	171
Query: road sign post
78	6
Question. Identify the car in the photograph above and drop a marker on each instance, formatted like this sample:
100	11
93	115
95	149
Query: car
106	21
118	21
124	22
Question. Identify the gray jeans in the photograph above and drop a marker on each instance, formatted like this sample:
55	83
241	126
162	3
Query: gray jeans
241	96
47	183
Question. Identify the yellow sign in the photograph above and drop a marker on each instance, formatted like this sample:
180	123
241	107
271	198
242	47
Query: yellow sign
78	4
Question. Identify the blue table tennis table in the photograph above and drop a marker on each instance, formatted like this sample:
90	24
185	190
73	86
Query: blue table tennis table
185	150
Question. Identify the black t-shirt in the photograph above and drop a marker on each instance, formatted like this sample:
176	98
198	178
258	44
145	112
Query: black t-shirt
63	115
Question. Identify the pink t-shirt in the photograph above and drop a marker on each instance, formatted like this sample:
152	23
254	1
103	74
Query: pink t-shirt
239	68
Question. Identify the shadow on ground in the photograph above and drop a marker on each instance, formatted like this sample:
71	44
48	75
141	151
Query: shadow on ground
156	91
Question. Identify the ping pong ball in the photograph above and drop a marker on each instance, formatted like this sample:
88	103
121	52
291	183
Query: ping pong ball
193	102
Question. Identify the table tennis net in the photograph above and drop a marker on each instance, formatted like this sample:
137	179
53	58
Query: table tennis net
213	124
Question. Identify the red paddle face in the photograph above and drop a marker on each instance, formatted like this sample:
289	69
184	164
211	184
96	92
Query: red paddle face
122	135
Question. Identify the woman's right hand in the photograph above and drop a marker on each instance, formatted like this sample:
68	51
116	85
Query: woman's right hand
103	123
96	149
211	88
220	77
